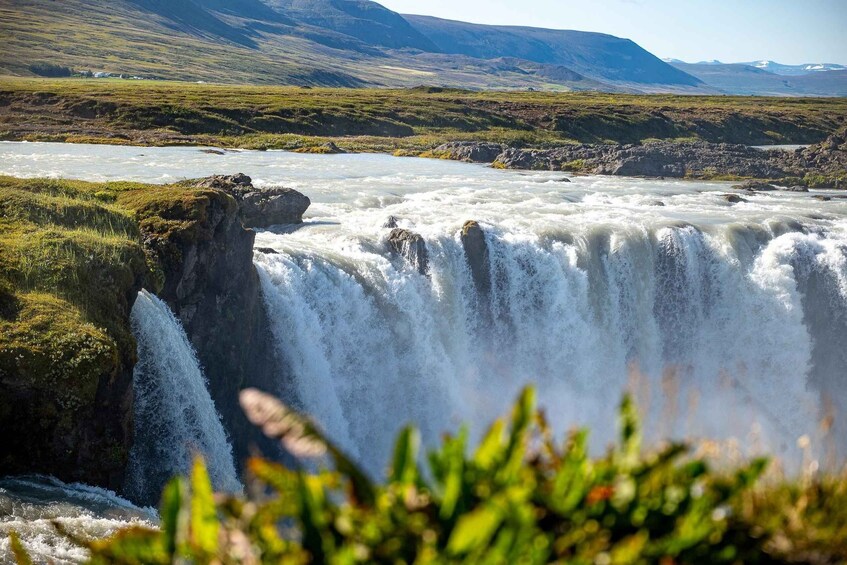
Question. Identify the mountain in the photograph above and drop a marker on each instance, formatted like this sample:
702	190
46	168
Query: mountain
596	55
318	42
795	70
740	78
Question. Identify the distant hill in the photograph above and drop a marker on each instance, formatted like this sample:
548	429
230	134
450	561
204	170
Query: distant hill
596	55
740	78
353	43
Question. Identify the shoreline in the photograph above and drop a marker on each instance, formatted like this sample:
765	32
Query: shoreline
691	160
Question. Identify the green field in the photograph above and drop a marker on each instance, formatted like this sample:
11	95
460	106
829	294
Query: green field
405	120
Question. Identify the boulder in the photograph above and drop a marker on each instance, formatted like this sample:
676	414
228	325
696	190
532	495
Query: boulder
260	208
733	198
331	148
391	222
471	151
412	247
273	206
266	250
822	198
795	188
477	255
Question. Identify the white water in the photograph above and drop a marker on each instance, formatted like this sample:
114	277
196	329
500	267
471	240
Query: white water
732	317
175	418
29	505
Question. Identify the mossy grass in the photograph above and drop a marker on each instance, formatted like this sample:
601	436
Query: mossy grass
72	258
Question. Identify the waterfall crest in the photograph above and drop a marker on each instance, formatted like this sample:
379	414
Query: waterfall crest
175	416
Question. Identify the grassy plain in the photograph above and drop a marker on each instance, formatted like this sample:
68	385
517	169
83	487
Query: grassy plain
408	121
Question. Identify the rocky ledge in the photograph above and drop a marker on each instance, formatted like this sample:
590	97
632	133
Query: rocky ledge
819	166
259	207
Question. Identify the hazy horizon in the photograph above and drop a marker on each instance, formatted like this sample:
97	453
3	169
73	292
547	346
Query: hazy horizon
786	31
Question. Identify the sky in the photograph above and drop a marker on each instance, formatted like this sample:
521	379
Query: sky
787	31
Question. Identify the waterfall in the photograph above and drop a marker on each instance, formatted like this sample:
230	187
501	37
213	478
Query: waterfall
713	330
175	416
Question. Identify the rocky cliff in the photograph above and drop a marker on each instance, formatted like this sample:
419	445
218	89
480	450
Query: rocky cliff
211	284
73	257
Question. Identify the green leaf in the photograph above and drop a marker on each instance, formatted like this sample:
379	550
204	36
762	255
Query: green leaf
204	518
18	550
522	417
316	536
405	467
490	451
474	530
630	426
131	546
452	462
173	515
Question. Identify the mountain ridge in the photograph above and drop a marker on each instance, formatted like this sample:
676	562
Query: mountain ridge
305	42
350	43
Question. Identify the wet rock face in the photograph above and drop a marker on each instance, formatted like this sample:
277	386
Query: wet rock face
477	255
412	247
212	286
260	208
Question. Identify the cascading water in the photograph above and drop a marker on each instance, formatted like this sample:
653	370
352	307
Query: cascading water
723	330
726	320
175	416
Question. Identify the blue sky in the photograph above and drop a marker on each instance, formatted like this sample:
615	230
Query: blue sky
788	31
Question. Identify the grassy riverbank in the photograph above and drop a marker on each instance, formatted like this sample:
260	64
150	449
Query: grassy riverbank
407	121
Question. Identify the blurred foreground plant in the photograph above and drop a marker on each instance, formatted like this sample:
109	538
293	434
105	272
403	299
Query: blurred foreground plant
521	497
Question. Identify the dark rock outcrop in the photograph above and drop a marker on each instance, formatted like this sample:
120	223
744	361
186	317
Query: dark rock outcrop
391	222
260	207
823	165
755	186
471	151
330	148
795	188
412	247
477	256
734	198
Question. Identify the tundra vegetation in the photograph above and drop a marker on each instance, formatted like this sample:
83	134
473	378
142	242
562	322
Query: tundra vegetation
406	121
